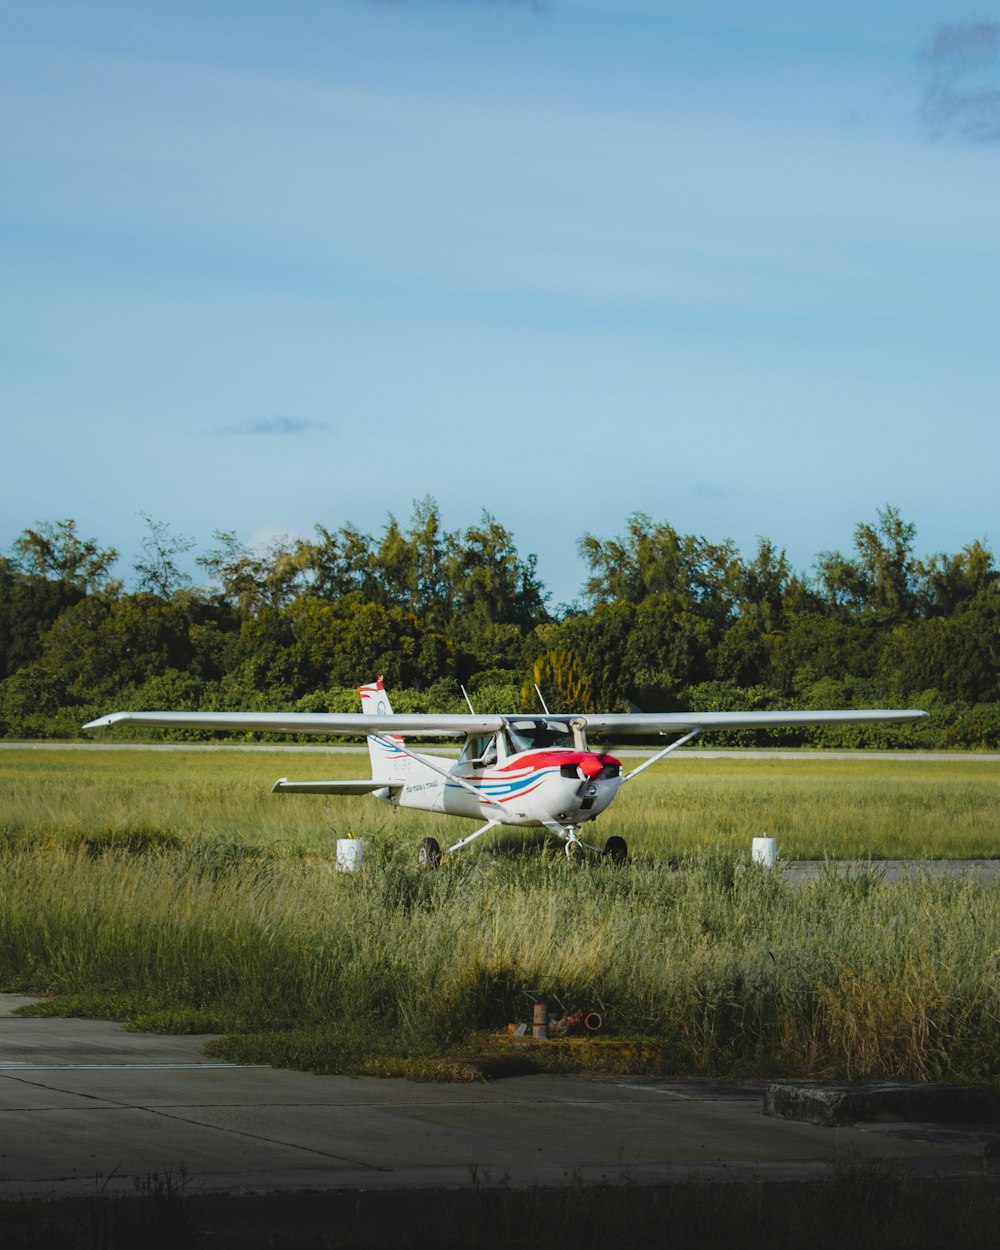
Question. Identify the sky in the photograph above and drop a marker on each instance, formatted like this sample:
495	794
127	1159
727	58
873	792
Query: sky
266	266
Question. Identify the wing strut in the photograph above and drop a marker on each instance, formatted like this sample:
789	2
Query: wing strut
653	759
490	824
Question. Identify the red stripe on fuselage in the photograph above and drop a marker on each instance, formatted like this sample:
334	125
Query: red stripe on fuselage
555	759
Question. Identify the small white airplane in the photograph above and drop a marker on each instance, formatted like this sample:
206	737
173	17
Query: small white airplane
520	770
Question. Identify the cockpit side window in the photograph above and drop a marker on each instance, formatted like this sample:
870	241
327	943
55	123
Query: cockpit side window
482	749
528	735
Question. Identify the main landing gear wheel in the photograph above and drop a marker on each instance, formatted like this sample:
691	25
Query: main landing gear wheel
429	853
616	850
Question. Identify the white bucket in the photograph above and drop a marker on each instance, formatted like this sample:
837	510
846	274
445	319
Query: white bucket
765	851
350	852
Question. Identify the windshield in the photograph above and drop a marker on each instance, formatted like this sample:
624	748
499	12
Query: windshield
527	735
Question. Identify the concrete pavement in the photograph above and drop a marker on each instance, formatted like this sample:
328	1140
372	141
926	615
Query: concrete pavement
86	1107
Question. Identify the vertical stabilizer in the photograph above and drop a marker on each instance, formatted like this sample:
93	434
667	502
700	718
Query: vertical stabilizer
387	760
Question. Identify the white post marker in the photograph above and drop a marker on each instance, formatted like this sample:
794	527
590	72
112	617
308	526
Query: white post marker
350	852
765	851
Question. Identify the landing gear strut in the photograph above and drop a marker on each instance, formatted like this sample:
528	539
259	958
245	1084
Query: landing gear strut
574	851
574	848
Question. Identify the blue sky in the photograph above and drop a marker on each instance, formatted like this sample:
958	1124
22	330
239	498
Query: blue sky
263	266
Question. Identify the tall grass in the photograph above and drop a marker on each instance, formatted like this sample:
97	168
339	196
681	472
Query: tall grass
724	965
863	1204
173	889
853	809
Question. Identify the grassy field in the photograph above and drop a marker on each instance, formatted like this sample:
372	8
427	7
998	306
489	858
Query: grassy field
173	890
816	808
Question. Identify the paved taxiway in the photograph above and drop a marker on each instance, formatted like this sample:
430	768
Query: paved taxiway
85	1107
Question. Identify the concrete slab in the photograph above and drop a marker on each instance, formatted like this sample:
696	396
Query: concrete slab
85	1107
56	1040
847	1102
21	1095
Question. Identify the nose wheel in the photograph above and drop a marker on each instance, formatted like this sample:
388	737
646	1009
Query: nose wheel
616	850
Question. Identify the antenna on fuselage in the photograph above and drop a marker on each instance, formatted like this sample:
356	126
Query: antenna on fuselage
541	700
468	700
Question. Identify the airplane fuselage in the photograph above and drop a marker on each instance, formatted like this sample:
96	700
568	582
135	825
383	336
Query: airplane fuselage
556	785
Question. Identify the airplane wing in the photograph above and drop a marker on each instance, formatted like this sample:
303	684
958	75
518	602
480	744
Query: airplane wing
358	724
345	724
684	722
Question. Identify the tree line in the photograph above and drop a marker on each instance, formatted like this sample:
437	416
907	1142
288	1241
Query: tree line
665	620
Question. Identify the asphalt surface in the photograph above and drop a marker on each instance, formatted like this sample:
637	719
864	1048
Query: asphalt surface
86	1107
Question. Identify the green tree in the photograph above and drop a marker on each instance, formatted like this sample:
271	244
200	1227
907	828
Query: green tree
157	568
816	646
487	582
667	651
952	583
54	550
763	585
882	576
340	562
99	648
266	658
653	558
598	641
958	656
502	646
352	640
564	684
744	651
410	564
767	592
29	606
248	579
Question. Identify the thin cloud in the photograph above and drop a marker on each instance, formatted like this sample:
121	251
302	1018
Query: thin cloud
961	73
275	425
708	490
536	6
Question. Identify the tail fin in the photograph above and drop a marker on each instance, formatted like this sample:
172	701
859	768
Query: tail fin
387	760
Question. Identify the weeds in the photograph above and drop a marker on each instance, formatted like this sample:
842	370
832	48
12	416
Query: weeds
724	965
160	1215
848	809
717	963
861	1206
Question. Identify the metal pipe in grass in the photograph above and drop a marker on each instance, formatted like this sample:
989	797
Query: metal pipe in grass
540	1021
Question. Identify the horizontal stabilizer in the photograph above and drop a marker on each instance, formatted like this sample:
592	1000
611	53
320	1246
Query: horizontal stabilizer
284	786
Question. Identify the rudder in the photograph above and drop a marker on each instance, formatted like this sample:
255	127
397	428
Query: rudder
387	759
